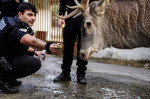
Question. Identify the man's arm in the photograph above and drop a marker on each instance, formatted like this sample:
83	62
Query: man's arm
62	7
32	41
62	10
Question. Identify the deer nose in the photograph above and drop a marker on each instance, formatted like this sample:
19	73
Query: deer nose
82	55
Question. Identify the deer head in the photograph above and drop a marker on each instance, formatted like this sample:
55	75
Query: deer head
91	31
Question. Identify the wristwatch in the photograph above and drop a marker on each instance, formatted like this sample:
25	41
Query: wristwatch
34	51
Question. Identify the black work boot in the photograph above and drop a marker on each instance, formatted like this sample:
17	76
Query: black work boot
62	77
15	83
81	74
7	89
81	79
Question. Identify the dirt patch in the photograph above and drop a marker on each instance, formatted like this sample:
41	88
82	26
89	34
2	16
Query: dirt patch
131	63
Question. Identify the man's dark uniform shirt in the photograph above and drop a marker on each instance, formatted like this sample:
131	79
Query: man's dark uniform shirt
11	41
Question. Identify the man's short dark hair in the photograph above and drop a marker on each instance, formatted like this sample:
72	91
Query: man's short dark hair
26	6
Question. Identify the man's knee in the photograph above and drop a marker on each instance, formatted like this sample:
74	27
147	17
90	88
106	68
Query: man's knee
30	66
36	64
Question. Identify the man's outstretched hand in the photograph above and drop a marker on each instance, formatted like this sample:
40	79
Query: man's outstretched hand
54	47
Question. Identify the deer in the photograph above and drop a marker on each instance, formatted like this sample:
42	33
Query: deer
123	24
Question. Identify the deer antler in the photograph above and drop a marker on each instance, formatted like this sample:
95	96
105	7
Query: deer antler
80	8
76	1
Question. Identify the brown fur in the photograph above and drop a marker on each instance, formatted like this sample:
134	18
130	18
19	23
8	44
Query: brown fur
127	24
122	24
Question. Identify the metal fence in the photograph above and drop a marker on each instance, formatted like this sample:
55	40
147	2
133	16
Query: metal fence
46	27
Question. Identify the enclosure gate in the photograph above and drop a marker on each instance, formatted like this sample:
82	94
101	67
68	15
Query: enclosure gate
45	26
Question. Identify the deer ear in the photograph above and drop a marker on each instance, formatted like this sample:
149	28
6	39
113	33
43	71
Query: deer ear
102	5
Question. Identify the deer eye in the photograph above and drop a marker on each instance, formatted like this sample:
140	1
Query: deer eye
88	24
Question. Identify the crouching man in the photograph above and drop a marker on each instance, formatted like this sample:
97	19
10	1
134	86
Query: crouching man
16	55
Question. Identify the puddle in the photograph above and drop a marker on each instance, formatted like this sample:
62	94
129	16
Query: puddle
41	86
50	77
113	93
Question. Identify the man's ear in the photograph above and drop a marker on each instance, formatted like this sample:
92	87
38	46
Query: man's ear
19	14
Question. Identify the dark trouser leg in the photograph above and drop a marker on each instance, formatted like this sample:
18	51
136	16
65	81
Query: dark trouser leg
5	86
69	37
24	65
80	63
81	70
4	76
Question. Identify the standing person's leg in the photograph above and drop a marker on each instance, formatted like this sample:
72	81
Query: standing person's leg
81	70
69	37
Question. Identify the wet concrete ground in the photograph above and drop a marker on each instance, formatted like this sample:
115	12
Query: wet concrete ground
105	81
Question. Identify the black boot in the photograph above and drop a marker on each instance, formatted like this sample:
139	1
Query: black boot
81	79
15	82
7	89
81	74
62	77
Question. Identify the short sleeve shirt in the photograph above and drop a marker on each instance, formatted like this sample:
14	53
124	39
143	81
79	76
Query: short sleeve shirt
14	38
16	34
